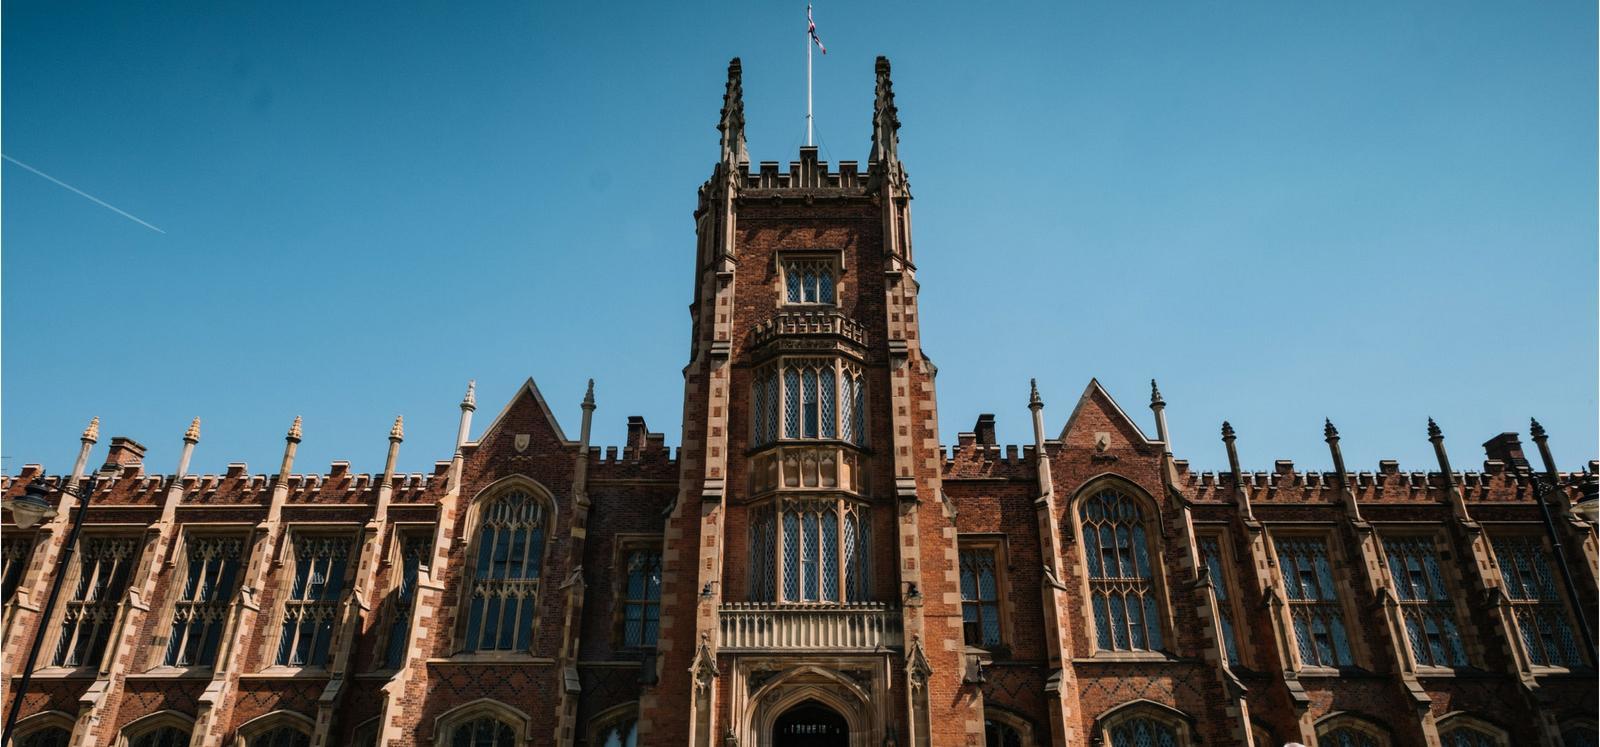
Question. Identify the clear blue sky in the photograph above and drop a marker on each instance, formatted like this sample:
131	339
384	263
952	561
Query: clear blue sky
1377	212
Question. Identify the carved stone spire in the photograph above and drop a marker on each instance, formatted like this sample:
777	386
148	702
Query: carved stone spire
1155	395
1434	433
1535	430
1227	432
470	401
398	432
92	433
1034	402
294	430
193	434
885	122
588	396
731	125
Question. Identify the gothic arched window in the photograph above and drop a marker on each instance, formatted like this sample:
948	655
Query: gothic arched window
504	589
282	736
1121	581
623	733
1144	724
49	736
809	281
807	550
166	736
1465	731
483	731
809	398
1346	730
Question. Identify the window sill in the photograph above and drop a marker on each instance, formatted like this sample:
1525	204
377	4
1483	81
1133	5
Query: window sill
63	673
1114	657
492	658
277	672
174	673
1341	672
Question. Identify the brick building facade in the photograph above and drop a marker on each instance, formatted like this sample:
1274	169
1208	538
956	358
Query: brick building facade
811	566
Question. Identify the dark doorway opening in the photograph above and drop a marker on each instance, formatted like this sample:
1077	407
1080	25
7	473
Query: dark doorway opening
811	724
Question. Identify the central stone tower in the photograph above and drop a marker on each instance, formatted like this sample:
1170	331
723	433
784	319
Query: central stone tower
809	581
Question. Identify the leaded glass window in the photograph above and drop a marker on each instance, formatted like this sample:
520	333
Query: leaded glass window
1000	734
803	552
483	731
14	554
1211	552
808	399
1314	608
166	736
414	554
1425	607
1347	737
283	736
1121	585
50	736
104	564
980	598
309	614
211	573
809	281
1467	736
1536	603
505	578
641	606
623	733
1142	732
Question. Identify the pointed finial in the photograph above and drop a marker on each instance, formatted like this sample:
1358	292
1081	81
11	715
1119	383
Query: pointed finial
294	430
1033	394
731	125
193	434
398	432
1329	433
1227	431
1535	430
92	433
1433	430
588	395
885	119
470	401
1155	395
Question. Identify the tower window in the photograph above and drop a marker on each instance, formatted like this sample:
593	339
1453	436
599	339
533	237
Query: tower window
980	597
819	398
804	550
809	281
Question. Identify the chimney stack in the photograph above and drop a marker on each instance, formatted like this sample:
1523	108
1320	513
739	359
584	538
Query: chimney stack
985	429
125	452
1506	447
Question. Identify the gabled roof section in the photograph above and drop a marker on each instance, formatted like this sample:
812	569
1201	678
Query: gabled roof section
1095	396
527	395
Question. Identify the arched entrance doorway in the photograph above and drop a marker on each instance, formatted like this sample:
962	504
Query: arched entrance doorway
810	724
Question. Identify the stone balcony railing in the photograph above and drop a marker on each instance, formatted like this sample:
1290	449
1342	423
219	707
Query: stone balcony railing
761	626
808	466
819	322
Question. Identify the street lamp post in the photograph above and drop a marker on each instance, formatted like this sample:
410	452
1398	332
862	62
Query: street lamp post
26	510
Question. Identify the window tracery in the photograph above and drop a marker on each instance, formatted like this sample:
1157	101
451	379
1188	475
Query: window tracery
801	555
1536	603
809	281
414	555
104	564
1212	553
505	579
1425	606
211	574
809	398
1121	583
1314	608
14	554
312	606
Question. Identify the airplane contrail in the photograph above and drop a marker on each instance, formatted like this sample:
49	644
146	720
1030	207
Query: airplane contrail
92	198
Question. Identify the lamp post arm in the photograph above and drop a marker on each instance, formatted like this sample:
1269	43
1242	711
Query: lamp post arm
48	611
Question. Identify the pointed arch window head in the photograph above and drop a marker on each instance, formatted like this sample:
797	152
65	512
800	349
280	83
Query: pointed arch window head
1144	725
211	574
15	549
104	566
49	736
1121	582
320	565
483	731
1349	730
510	546
282	736
165	736
624	733
1454	734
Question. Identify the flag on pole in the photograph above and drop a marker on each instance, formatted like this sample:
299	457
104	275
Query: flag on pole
811	28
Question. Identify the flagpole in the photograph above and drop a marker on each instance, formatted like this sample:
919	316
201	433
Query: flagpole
808	77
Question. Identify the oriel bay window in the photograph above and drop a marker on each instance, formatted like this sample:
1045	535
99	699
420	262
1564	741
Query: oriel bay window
810	550
809	398
210	576
1122	588
1425	606
104	565
320	563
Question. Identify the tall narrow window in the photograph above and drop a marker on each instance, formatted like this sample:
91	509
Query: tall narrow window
1211	551
808	401
1121	585
800	553
791	403
413	556
1425	606
1314	609
763	550
980	598
810	538
320	564
809	281
1535	602
104	564
211	575
505	582
641	607
856	556
14	554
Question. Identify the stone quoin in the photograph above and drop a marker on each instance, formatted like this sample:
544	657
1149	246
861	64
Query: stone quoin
811	566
